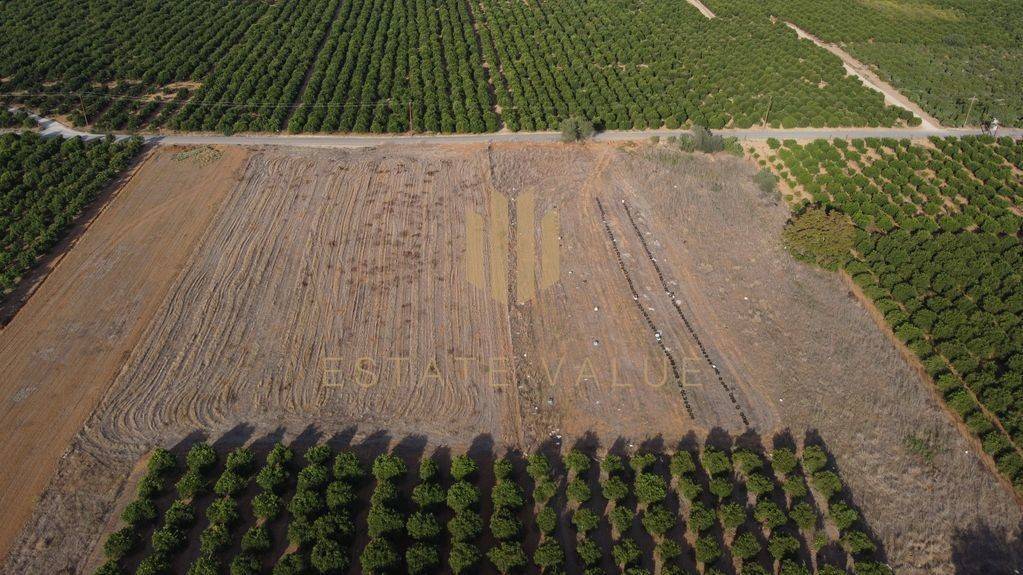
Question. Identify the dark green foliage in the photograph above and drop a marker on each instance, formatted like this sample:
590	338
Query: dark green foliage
378	556
626	552
120	543
781	545
657	519
585	520
422	525
201	457
44	185
820	237
576	129
507	556
422	557
465	526
700	518
462	467
548	554
462	495
614	489
707	550
387	466
462	556
650	488
746	545
547	520
578	490
621	519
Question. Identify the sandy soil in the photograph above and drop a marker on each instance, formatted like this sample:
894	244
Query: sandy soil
330	295
61	351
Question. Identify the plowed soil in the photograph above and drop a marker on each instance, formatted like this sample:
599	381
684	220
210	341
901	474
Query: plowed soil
329	293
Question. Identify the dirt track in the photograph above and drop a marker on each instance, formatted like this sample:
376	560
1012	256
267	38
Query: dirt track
318	260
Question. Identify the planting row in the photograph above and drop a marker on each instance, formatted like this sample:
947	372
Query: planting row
740	510
937	246
44	185
448	66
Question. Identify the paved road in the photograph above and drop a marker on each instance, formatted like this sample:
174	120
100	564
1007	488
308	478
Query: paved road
53	128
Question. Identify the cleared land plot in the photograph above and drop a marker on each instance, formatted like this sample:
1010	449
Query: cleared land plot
62	350
319	259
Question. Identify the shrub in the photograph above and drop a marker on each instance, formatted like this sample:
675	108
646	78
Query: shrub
267	505
783	461
576	129
626	552
732	515
716	462
588	551
821	238
329	557
388	466
780	545
804	515
549	554
682	464
139	512
191	484
507	556
245	564
814	459
383	520
290	564
614	489
347	467
462	556
705	141
167	539
650	488
507	494
422	525
319	455
256	539
585	520
547	520
462	467
657	520
707	550
223	511
700	518
745	545
426	495
379	554
577	461
214	538
621	519
206	565
465	526
161	462
201	457
504	524
422	557
120	543
578	490
462	495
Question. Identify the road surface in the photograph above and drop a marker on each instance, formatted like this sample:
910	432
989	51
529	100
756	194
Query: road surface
54	128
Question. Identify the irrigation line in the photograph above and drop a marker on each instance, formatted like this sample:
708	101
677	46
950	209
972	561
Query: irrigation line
642	310
676	302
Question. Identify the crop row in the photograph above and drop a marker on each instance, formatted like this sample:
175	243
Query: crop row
446	66
938	250
941	54
44	185
715	510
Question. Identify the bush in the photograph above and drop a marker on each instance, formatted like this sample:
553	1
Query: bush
547	520
161	462
578	490
707	550
707	142
462	495
767	182
245	564
650	488
465	526
507	494
621	519
267	505
549	554
462	467
422	525
745	545
614	489
585	520
290	564
657	519
120	543
223	511
388	466
256	539
139	512
781	546
379	554
201	457
318	455
422	557
191	484
577	461
820	238
347	467
626	552
504	524
329	557
589	552
462	556
576	129
507	556
425	495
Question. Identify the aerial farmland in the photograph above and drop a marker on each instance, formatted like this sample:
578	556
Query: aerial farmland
506	287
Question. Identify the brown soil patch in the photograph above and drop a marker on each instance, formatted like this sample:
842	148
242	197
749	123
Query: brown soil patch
62	350
321	262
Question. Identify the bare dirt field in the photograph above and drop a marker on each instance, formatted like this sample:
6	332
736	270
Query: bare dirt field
65	346
334	293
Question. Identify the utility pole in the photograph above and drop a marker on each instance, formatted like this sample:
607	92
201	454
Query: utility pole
973	100
84	115
770	103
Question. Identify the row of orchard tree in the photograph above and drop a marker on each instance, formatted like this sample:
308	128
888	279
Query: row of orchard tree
938	249
44	185
712	510
447	66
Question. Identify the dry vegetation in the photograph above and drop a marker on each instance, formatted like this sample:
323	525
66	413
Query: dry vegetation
317	259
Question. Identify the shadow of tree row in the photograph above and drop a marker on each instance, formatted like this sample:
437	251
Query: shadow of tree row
976	550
